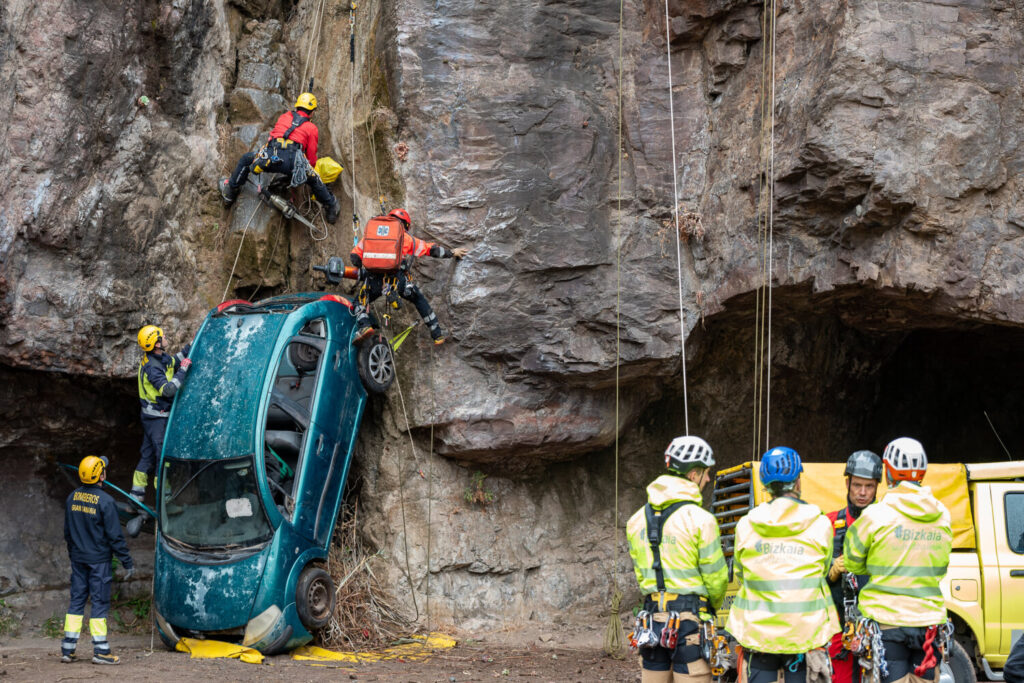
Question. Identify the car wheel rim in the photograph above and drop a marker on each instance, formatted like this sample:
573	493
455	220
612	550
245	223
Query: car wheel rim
382	368
946	673
319	599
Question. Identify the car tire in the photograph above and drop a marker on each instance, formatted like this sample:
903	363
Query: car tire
168	642
959	668
314	598
376	364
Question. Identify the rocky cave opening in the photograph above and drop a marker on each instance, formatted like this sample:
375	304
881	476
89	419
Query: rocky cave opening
851	369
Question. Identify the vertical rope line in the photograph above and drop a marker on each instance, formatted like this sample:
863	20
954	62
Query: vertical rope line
771	245
238	253
675	222
762	228
613	644
430	475
352	112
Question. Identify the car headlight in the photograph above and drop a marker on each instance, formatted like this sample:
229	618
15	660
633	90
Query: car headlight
261	626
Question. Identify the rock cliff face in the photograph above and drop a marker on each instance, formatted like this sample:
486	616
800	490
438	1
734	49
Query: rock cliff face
897	233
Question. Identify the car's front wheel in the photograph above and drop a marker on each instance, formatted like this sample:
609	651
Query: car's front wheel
958	669
376	365
314	598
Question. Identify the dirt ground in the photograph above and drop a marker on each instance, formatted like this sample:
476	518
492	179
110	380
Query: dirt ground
501	658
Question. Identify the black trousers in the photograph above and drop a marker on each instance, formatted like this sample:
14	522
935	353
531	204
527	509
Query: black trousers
904	651
285	167
760	667
405	289
90	581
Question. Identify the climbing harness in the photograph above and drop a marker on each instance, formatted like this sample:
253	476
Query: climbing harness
943	633
642	637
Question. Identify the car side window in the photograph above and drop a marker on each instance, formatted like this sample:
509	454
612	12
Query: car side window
289	413
1014	505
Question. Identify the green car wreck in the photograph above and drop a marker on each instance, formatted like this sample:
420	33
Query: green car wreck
254	464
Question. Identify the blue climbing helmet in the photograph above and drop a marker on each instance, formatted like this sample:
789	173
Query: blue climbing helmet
780	464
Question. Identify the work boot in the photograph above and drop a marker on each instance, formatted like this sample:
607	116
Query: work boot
362	335
134	525
333	211
68	657
227	193
437	334
105	658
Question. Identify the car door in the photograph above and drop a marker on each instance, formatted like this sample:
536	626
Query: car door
1008	513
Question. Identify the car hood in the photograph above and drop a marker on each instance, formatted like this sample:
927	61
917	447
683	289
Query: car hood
207	597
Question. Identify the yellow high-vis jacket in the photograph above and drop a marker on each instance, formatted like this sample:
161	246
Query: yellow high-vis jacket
691	550
904	543
781	558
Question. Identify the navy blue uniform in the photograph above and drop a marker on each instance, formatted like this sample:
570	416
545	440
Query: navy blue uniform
93	535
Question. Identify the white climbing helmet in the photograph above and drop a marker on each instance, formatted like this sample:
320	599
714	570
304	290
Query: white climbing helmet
905	459
687	452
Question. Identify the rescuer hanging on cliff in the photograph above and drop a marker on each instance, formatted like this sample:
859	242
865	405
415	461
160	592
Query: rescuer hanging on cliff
93	535
904	543
383	257
160	377
293	132
677	556
863	474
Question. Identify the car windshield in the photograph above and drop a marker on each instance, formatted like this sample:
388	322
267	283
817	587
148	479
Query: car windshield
212	504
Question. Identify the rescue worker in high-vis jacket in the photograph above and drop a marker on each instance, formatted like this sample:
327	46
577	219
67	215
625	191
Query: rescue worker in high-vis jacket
686	571
411	247
93	535
160	377
783	614
863	474
293	134
904	543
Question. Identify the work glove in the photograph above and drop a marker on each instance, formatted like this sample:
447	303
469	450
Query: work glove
186	364
837	568
819	666
459	252
128	574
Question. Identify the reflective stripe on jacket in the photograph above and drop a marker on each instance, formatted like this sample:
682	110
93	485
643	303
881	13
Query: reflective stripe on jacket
781	559
904	544
160	377
691	550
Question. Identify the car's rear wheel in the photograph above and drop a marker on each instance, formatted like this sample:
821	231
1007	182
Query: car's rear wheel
314	598
376	365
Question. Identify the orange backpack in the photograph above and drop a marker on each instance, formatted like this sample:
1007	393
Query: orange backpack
382	244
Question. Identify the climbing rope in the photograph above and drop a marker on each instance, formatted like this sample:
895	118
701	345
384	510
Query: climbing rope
314	42
352	113
372	139
765	221
270	261
675	222
613	641
401	494
224	297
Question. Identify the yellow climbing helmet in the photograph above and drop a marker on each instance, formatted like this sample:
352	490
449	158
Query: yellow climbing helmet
91	469
307	100
148	337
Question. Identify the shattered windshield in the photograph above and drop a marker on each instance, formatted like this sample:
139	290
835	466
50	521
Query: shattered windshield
212	504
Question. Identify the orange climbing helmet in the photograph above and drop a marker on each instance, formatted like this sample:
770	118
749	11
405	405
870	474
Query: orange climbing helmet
402	215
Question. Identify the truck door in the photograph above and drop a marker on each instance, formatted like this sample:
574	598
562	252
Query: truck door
1008	515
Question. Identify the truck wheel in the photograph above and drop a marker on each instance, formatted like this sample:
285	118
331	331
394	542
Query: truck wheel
959	668
314	598
376	365
168	642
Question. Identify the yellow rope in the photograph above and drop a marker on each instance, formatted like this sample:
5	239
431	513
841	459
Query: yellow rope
614	645
238	253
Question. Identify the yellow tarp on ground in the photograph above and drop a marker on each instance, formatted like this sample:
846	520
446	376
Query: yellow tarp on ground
422	649
216	649
824	485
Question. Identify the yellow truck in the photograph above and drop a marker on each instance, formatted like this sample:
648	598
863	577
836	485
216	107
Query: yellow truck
984	586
